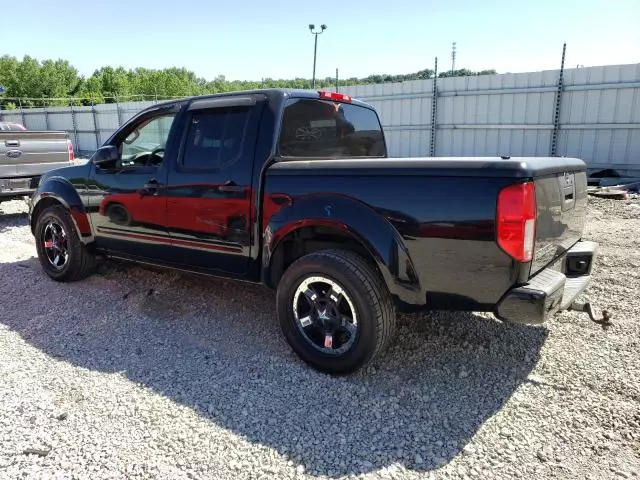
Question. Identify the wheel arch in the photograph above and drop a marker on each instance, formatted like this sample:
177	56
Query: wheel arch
333	221
59	191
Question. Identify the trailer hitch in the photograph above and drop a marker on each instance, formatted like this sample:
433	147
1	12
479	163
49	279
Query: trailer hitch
586	307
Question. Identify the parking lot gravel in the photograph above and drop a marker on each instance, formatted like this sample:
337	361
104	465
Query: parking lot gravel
142	373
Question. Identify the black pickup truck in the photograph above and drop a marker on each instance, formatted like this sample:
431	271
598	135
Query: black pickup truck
294	190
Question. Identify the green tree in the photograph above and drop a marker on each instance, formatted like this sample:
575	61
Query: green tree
463	72
28	85
30	80
58	79
113	83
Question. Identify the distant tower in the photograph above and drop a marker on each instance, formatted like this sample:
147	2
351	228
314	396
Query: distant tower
453	58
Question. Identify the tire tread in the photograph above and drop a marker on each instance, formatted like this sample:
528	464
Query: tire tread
372	291
373	282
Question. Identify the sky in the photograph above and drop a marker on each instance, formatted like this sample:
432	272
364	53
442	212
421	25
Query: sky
253	39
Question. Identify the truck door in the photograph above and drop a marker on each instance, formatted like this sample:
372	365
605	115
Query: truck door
127	203
209	194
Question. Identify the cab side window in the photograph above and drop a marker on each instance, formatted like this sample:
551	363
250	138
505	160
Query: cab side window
145	144
215	138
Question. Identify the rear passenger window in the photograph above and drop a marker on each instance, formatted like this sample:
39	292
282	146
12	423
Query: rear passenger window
215	138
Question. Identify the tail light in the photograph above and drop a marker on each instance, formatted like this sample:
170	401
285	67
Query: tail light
516	220
70	149
340	97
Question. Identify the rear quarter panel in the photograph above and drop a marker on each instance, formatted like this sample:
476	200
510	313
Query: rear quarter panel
446	226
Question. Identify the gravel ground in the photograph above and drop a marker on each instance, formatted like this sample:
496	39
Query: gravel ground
137	373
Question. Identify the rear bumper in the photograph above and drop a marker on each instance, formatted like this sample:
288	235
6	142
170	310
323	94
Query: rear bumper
552	289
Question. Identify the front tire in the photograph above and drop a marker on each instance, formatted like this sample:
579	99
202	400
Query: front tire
335	311
118	214
62	255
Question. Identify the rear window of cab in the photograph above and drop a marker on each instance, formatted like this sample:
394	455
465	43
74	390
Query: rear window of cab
327	129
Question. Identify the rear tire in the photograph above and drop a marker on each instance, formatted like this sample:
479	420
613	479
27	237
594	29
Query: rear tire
62	255
330	342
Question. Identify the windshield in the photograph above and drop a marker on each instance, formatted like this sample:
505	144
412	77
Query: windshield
319	128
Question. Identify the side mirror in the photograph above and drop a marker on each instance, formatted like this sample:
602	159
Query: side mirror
105	156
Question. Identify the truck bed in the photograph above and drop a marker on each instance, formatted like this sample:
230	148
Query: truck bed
494	167
444	211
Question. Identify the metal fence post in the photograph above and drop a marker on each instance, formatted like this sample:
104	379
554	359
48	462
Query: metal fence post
75	125
434	110
95	125
336	80
24	120
558	103
46	113
118	111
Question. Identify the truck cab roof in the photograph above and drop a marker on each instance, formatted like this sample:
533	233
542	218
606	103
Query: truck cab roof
274	94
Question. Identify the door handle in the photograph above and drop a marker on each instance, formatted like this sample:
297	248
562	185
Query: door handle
230	186
12	143
150	187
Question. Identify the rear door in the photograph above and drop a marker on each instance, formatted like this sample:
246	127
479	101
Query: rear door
209	194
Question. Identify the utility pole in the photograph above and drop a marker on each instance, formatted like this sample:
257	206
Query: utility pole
453	58
312	27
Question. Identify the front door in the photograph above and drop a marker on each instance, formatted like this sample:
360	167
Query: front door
209	199
127	203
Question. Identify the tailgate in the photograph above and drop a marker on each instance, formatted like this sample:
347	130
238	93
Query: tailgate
561	200
31	153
